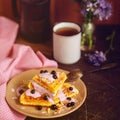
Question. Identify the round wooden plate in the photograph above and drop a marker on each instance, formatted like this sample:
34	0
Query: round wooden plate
31	111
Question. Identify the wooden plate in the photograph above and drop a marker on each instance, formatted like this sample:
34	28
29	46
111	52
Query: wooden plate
31	111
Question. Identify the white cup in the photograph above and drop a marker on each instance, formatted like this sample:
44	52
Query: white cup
66	42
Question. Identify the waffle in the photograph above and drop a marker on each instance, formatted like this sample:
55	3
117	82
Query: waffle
54	85
33	97
69	90
48	91
36	101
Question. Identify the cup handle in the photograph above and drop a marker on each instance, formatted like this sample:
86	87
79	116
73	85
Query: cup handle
14	9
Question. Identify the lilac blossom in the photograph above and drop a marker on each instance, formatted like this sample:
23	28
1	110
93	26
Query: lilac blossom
104	11
97	58
83	11
99	8
89	4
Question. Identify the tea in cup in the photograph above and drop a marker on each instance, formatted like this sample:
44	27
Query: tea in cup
66	42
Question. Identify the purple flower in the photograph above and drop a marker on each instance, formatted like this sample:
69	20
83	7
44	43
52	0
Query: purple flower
97	58
104	11
89	4
99	8
83	11
100	2
107	10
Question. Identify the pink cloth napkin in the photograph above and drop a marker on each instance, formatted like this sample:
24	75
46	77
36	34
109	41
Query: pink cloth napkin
15	58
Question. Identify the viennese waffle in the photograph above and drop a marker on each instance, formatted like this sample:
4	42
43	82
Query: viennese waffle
47	89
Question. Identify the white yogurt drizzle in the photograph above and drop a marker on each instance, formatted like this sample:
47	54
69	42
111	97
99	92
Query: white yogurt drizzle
48	76
41	89
61	95
35	95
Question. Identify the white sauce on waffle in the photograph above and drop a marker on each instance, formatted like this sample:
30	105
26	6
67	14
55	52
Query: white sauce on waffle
34	95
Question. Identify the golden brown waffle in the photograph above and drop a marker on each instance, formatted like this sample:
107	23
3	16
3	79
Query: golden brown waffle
43	92
68	89
51	86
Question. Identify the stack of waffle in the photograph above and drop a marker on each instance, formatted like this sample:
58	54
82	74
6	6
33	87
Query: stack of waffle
49	88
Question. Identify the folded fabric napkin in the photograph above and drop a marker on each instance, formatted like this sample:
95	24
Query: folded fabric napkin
14	59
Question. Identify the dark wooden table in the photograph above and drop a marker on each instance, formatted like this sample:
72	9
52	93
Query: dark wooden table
103	88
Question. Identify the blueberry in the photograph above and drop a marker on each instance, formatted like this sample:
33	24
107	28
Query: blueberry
72	103
45	97
53	72
32	91
53	107
69	98
68	105
45	71
70	88
21	91
42	71
39	107
54	76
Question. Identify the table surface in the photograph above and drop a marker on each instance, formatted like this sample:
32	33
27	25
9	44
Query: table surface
103	88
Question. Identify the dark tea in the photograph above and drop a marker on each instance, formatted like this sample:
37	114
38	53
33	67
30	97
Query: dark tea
67	31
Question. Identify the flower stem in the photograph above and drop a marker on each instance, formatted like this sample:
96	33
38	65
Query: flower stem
90	40
111	38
